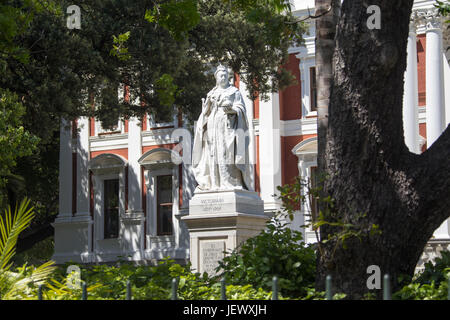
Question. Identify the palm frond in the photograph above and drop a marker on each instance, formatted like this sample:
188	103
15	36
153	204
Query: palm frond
11	225
21	286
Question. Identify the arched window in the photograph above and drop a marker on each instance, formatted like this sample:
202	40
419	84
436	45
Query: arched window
108	173
161	180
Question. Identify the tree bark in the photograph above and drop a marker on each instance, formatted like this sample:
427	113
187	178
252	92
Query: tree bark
371	175
327	12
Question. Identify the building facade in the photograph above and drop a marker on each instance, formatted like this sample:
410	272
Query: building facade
123	192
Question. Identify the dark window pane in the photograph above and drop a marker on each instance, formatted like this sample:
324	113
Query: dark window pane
164	185
313	201
111	208
313	88
164	205
165	220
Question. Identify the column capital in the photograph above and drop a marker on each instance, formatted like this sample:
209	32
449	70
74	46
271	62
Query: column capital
414	22
434	23
413	27
430	18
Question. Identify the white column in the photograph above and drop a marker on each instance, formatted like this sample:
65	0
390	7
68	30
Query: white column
82	168
434	81
65	170
270	151
249	109
435	95
447	91
410	97
134	168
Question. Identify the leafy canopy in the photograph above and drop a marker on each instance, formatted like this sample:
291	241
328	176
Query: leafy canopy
15	141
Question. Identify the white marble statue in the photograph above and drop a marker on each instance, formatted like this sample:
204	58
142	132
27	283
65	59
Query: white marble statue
221	143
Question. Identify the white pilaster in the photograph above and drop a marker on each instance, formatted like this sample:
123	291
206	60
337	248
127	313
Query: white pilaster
410	97
82	168
270	151
73	235
434	80
134	168
65	170
134	184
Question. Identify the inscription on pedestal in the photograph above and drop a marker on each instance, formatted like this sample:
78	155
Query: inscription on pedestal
211	205
211	252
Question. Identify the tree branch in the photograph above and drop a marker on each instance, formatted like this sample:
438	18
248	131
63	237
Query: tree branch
312	16
433	176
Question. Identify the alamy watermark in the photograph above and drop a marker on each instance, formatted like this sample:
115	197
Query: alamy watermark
374	20
374	280
73	277
74	18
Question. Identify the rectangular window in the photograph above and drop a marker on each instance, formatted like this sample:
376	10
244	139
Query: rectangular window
111	208
313	201
313	88
164	205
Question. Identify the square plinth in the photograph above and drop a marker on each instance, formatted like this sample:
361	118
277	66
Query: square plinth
220	221
230	201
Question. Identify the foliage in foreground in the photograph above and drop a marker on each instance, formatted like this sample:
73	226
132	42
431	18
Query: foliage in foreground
431	284
418	291
108	282
278	250
18	284
435	271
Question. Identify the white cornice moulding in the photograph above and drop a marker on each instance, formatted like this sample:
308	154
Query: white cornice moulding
158	136
298	127
110	142
422	114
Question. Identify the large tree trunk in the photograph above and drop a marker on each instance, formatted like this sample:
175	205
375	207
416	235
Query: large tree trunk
327	12
372	177
326	18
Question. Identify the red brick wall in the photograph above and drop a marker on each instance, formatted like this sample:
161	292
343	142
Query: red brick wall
290	98
421	68
120	152
289	161
256	108
167	146
91	127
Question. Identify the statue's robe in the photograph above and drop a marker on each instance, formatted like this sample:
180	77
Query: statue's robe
220	156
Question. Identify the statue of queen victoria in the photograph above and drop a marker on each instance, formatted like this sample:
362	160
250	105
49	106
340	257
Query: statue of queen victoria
221	143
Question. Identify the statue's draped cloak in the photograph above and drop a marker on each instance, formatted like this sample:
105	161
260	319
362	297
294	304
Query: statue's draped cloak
224	138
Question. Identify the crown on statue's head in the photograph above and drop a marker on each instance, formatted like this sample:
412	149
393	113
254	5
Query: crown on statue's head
220	67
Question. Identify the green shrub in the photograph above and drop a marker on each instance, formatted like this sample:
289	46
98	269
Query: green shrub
278	250
108	282
431	283
435	271
418	291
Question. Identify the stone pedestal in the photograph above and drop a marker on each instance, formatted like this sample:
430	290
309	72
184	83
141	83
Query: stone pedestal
219	221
